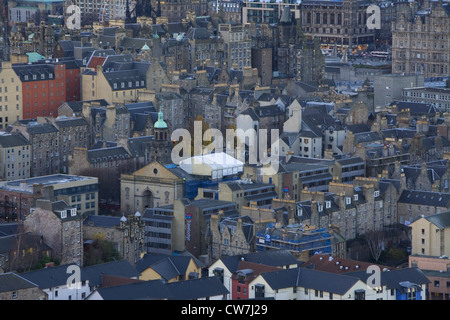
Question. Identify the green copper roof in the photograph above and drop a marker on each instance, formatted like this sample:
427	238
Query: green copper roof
160	124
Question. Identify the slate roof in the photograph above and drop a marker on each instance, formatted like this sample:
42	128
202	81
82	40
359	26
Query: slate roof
107	154
145	290
394	279
57	276
102	221
126	79
416	108
35	128
358	128
197	288
70	122
441	220
231	224
268	111
7	229
426	198
327	263
290	137
276	258
13	282
366	137
137	145
38	70
198	34
399	133
167	266
77	106
311	279
13	140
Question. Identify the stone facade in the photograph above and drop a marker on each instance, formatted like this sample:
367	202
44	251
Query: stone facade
420	40
152	186
126	233
61	227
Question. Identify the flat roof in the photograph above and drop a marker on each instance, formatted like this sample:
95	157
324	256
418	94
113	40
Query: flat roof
55	179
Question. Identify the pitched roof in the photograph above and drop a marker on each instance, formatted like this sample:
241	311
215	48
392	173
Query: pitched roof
327	263
102	221
398	279
57	276
13	140
12	282
167	266
197	288
441	220
144	290
311	279
277	258
427	198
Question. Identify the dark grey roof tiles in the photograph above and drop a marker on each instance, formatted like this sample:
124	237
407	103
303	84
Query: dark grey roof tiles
12	282
427	198
13	140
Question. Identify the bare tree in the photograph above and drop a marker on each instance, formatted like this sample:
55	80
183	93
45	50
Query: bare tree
375	241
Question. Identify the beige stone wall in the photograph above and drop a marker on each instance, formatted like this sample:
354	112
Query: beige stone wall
46	223
24	294
151	186
11	96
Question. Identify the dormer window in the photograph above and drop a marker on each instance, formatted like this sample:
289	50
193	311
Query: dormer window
26	77
328	204
73	212
115	85
63	214
34	77
319	207
348	200
355	197
376	193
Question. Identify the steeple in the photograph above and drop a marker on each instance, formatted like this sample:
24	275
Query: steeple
160	124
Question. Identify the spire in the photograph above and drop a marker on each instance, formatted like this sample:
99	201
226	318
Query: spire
160	124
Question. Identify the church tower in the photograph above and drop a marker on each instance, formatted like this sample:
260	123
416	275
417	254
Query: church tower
162	146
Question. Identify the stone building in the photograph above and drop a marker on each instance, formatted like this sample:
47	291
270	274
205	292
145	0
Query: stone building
15	154
14	287
413	204
74	132
127	233
203	47
151	186
61	227
44	140
11	100
340	23
237	45
107	123
420	39
230	236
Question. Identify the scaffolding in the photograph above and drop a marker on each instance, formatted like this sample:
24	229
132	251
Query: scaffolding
295	239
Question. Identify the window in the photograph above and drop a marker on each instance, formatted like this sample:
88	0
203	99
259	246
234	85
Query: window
360	295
